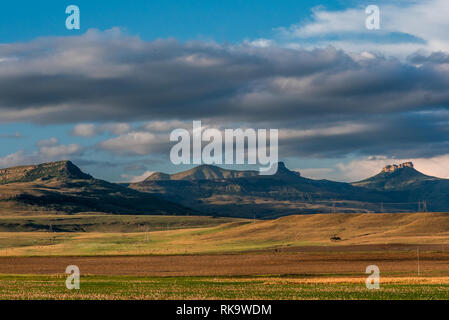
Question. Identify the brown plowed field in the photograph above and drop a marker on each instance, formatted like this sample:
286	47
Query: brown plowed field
392	259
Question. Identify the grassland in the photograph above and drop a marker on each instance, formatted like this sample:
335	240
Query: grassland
152	235
103	223
167	257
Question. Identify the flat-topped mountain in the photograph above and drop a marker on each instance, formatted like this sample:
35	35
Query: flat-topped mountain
45	171
396	177
411	185
61	187
395	167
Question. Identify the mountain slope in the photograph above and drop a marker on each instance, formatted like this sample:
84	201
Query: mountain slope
203	172
44	171
62	187
215	190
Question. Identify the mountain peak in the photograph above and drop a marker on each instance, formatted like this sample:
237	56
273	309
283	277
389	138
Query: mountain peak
283	170
59	170
158	176
281	166
395	167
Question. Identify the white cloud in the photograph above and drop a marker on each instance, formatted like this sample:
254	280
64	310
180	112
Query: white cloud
166	126
49	150
327	22
139	178
315	173
261	43
198	60
116	128
84	130
135	142
424	23
47	142
13	159
346	128
60	151
90	129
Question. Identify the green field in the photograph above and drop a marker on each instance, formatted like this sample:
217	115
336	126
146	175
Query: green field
295	288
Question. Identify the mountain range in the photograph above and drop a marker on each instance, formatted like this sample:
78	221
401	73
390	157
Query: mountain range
61	187
397	188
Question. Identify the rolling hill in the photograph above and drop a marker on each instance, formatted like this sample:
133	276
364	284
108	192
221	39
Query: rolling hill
123	235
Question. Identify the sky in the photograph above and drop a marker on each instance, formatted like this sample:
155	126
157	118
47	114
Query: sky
347	100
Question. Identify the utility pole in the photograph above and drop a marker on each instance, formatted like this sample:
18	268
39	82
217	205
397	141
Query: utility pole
417	249
382	206
424	205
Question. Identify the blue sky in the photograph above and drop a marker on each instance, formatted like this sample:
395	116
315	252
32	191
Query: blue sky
231	20
103	95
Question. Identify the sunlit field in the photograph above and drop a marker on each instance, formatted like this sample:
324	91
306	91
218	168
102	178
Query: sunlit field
166	257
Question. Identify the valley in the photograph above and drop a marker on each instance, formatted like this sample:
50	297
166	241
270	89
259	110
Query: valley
212	233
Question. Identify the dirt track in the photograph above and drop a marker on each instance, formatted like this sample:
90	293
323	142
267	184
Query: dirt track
302	260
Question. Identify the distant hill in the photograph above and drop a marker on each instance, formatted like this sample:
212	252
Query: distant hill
44	171
396	177
412	184
203	172
61	187
214	190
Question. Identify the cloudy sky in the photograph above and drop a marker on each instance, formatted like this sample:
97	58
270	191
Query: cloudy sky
346	100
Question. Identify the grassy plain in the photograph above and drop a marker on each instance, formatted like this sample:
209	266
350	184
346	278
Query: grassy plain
151	235
167	257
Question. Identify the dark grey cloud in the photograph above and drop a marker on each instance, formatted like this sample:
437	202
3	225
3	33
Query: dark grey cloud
376	105
410	135
433	58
